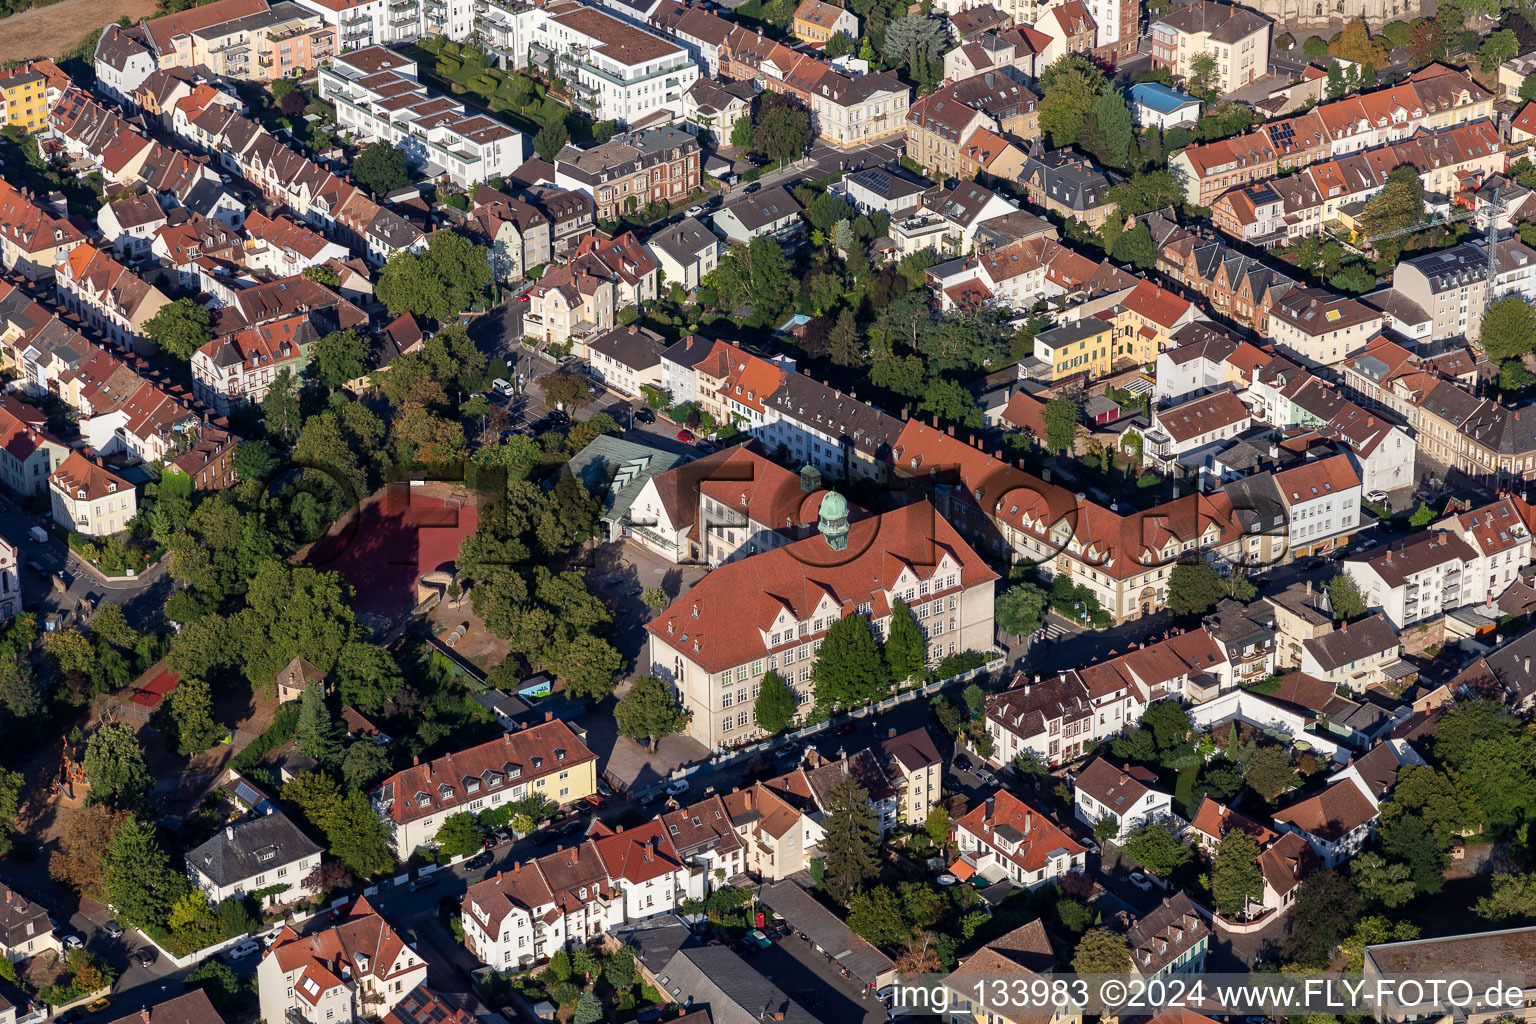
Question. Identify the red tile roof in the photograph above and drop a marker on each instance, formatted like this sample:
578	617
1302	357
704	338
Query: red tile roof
1331	814
79	474
1040	836
525	755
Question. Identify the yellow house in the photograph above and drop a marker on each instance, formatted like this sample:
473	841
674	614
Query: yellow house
25	98
1086	346
1146	319
817	21
1021	956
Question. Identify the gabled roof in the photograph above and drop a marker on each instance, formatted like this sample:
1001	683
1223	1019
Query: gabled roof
241	851
79	477
1331	814
1118	789
1353	642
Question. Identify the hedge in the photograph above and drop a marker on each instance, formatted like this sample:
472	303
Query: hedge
284	720
447	65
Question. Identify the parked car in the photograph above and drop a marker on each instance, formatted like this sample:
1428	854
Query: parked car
645	416
846	728
604	788
72	941
705	447
789	752
97	1005
1141	881
758	939
480	860
678	788
752	187
243	949
1375	497
146	956
596	802
424	882
985	777
694	211
962	763
113	930
686	436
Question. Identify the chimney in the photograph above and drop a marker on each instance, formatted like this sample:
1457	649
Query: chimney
890	734
229	833
991	804
951	431
415	760
549	716
1527	664
144	1013
1345	626
633	329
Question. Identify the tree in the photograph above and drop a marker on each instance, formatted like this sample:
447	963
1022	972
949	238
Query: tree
1136	247
1156	848
950	400
937	825
11	784
446	279
459	835
1235	879
840	45
1068	89
1324	913
843	345
564	390
381	168
783	127
1336	84
654	598
115	768
364	763
913	40
1062	415
1169	723
218	980
338	357
1398	206
77	861
1382	883
1356	45
357	836
1422	516
109	625
1117	136
850	844
589	1009
318	734
590	665
905	650
137	877
191	707
1344	597
1508	329
551	139
1528	89
1194	587
1499	47
1268	771
741	132
1512	896
874	915
849	670
1101	951
775	707
1021	608
649	711
1202	74
179	328
1409	840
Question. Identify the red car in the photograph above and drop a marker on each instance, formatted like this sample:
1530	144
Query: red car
685	435
596	802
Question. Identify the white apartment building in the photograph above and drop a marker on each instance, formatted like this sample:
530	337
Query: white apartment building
1320	327
1413	580
90	499
715	642
615	71
1501	536
1235	37
261	853
1451	285
239	368
1322	502
378	97
1125	796
567	898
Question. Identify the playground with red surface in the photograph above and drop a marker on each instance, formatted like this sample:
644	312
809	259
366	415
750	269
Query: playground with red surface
400	533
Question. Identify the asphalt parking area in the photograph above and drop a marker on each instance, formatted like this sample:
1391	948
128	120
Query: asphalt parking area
817	984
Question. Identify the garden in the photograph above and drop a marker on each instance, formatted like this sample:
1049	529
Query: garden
585	986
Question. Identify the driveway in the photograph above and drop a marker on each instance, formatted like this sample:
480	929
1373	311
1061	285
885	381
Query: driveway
813	981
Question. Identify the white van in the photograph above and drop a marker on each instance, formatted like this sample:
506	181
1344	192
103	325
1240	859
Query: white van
501	386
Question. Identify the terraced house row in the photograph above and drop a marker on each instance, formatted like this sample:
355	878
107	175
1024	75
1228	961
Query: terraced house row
1433	98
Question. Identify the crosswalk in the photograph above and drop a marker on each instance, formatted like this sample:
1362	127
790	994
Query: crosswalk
1055	630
